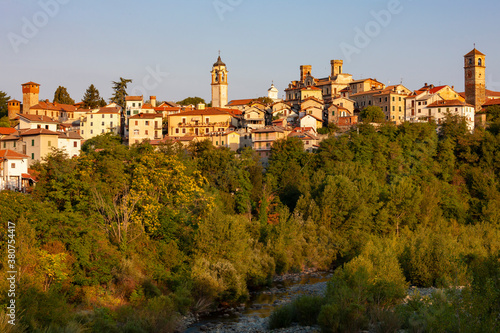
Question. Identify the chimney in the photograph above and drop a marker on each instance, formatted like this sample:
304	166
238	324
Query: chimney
152	100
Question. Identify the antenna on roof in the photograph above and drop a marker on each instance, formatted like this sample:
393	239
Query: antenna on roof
401	81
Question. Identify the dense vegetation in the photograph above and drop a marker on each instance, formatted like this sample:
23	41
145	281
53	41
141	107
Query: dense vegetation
129	239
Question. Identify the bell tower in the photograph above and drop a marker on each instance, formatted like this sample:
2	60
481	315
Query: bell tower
219	84
30	95
475	80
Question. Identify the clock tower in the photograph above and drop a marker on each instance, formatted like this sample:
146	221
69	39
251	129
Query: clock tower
219	84
475	80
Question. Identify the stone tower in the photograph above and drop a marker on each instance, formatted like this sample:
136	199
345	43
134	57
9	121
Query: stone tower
475	89
30	95
219	84
14	108
305	70
336	67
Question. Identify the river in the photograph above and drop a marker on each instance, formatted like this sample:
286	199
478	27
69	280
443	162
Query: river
253	315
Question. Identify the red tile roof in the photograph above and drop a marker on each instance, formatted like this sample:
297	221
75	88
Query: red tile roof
31	83
10	154
436	89
7	130
13	100
453	102
492	101
38	131
133	98
209	112
474	52
70	135
239	102
38	119
492	93
54	106
147	106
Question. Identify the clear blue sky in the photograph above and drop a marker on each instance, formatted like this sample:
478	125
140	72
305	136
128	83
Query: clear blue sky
82	42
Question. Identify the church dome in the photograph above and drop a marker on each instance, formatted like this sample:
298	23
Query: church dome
219	62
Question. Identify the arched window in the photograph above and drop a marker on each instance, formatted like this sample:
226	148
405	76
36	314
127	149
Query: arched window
216	76
480	62
222	77
470	61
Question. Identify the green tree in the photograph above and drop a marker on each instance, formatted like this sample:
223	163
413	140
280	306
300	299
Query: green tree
493	112
4	121
372	114
92	99
61	96
266	100
3	103
120	91
192	101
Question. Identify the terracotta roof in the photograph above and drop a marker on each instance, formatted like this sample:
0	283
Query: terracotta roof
28	176
303	135
167	108
492	101
38	119
492	93
453	102
38	131
269	129
31	82
147	106
54	106
310	88
239	102
318	119
70	135
146	116
314	99
13	100
10	154
7	130
133	98
474	52
436	89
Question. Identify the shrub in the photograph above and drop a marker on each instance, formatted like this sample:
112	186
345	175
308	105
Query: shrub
307	309
282	317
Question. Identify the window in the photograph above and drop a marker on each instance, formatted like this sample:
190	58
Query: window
386	99
91	131
206	130
32	156
38	126
393	98
4	145
183	120
380	100
128	113
136	123
439	110
400	99
13	165
177	131
111	124
393	108
82	131
103	115
102	131
400	109
14	144
102	123
147	132
333	113
147	122
480	62
49	144
139	104
91	123
32	142
222	143
136	132
216	143
136	112
75	144
133	105
183	131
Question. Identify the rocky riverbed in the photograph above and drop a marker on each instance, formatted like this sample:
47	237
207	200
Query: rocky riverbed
254	316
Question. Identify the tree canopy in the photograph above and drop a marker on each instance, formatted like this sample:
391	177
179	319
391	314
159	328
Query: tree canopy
92	99
120	91
61	96
191	101
372	114
3	103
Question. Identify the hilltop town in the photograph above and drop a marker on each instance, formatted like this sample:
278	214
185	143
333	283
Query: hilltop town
312	108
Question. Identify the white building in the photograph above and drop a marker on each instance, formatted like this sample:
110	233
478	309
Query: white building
437	111
272	93
13	169
31	121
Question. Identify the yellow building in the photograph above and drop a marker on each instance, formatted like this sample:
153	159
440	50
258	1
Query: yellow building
228	139
198	122
100	121
263	139
145	126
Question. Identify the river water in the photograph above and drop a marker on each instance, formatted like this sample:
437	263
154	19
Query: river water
252	316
